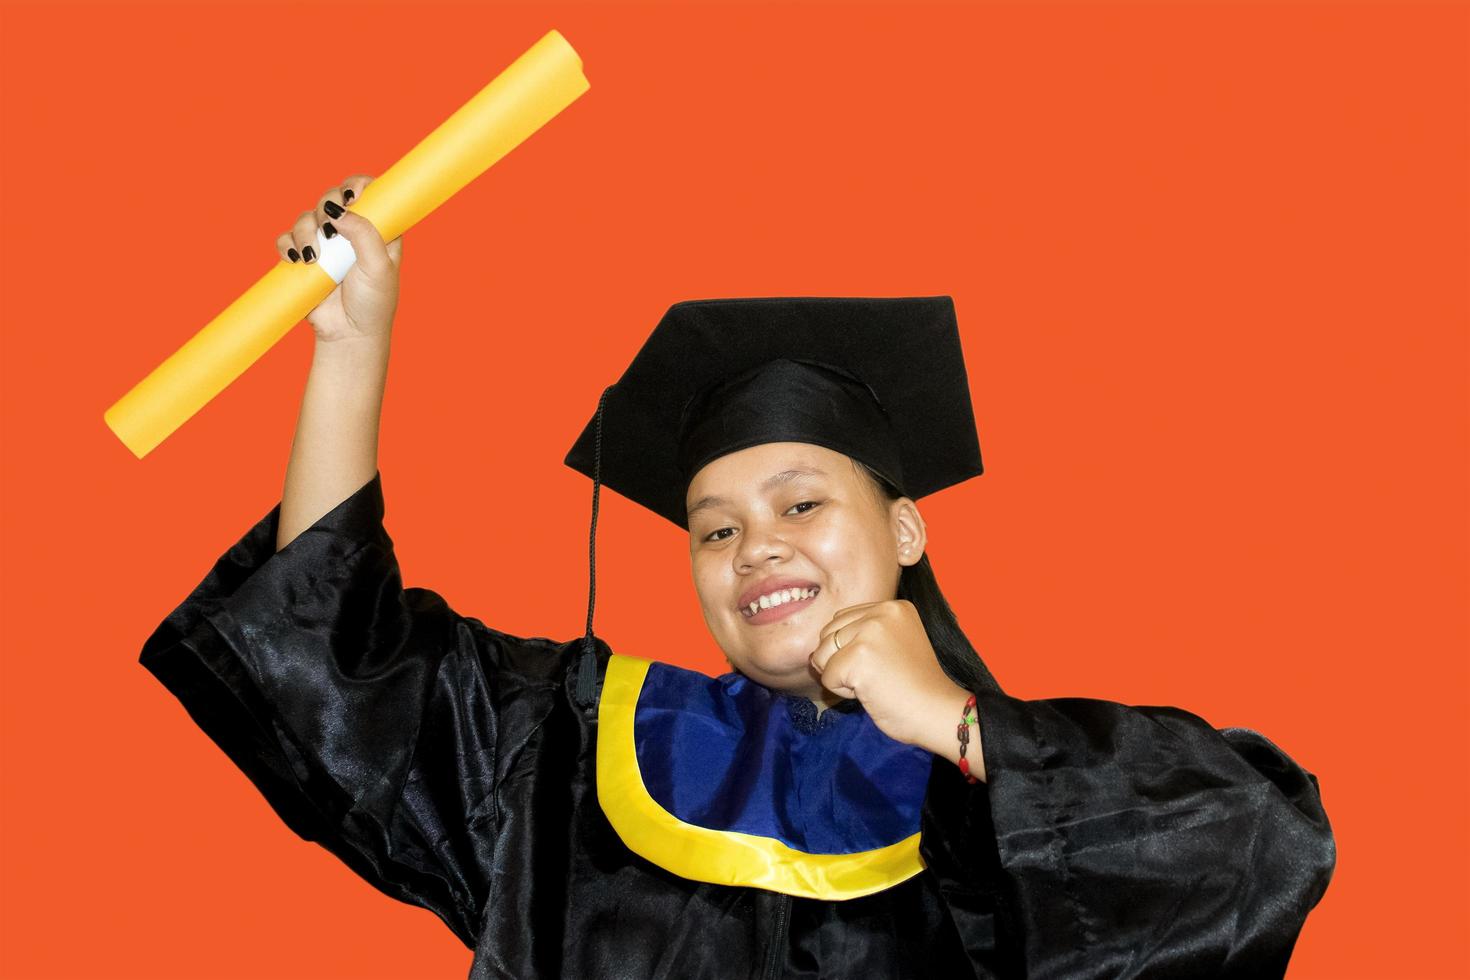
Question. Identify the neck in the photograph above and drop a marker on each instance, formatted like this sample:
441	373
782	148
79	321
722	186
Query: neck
814	692
825	700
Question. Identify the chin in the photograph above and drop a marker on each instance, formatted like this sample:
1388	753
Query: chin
780	666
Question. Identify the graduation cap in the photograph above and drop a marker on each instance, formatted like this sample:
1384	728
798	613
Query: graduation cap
879	379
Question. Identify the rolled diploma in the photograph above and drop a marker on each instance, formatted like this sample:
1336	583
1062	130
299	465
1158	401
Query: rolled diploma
524	97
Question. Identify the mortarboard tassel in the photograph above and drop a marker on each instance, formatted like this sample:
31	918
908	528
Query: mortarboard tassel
587	669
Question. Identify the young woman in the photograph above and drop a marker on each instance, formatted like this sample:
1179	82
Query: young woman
857	797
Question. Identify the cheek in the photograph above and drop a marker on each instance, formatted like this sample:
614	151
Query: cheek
853	560
832	550
709	587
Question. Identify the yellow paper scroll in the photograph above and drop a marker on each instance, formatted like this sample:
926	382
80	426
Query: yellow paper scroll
523	98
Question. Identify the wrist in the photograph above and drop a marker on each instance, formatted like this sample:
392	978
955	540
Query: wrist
360	348
356	370
941	731
942	713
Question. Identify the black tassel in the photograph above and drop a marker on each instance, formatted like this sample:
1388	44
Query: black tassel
587	668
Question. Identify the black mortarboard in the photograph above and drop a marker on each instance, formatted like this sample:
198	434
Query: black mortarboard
879	379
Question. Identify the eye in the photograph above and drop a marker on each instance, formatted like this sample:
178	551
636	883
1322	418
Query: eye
719	534
807	504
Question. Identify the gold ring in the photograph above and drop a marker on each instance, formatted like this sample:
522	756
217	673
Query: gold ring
837	638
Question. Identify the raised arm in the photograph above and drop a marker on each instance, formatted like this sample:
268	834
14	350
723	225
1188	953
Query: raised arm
367	712
335	450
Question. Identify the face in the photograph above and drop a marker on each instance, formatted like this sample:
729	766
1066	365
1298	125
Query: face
797	517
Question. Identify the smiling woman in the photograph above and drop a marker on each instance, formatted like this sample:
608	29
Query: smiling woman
856	797
814	524
784	537
828	564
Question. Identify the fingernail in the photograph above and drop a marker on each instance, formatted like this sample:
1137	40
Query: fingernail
327	229
348	196
333	209
309	253
293	255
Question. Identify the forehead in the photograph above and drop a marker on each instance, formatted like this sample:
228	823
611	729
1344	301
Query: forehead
745	470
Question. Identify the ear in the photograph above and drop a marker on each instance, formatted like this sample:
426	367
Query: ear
908	530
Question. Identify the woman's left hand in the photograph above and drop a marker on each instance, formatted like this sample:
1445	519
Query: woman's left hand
879	653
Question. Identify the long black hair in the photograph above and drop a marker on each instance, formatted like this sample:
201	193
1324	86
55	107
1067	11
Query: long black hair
916	583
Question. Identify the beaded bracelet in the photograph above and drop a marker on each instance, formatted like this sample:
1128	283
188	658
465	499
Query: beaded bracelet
962	731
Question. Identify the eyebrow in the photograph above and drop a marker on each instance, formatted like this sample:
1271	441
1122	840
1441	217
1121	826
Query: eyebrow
785	476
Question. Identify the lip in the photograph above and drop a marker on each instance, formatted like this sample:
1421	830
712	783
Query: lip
771	615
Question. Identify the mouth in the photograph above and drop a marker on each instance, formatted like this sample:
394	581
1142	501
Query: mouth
778	603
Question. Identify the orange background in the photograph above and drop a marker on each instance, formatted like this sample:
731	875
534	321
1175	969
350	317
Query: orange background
1210	267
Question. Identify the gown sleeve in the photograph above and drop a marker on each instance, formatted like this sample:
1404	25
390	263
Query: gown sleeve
1118	841
375	720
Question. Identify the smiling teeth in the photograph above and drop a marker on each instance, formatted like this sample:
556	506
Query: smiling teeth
778	598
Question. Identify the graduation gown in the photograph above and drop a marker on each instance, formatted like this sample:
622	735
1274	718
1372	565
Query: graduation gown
449	764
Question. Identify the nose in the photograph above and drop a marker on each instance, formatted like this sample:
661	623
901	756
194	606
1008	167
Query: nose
760	543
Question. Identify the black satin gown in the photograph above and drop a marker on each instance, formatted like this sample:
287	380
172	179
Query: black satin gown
448	764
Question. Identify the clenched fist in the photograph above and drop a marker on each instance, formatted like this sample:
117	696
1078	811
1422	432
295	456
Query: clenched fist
363	304
879	653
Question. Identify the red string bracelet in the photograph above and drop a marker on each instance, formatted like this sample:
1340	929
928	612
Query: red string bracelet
967	718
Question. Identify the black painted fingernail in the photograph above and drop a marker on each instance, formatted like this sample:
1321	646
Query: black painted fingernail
348	196
310	253
333	209
293	255
327	229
